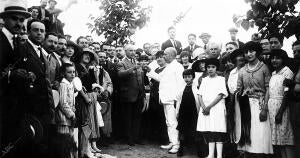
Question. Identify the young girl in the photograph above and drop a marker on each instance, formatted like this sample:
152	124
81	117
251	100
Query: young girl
211	118
66	108
187	107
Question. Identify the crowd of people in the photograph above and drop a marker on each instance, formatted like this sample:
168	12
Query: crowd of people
64	98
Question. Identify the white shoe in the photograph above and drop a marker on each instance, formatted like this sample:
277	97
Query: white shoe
169	146
174	149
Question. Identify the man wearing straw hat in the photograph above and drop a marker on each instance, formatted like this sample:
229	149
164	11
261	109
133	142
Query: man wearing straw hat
13	15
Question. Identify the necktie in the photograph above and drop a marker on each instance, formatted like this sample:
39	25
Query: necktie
15	41
41	55
205	46
132	61
174	42
48	57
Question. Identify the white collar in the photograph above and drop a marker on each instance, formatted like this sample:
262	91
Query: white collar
9	36
36	48
234	71
64	80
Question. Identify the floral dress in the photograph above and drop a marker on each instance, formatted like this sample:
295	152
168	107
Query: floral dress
282	134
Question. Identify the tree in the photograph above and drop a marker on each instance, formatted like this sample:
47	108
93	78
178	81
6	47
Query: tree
271	16
120	21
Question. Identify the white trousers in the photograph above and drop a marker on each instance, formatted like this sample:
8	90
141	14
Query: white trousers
171	121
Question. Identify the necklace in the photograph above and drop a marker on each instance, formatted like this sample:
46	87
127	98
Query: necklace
252	67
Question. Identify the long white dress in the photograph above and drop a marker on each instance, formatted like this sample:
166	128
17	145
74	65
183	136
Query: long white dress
209	89
282	134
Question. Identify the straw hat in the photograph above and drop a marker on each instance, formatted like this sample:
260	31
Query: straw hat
15	7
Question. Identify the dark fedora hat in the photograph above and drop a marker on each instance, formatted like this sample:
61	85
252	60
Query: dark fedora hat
15	7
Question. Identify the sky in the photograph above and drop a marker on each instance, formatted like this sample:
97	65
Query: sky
212	16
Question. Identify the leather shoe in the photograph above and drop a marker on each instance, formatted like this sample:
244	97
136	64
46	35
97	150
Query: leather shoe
168	146
174	149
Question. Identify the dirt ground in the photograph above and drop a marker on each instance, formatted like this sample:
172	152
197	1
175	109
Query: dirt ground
141	151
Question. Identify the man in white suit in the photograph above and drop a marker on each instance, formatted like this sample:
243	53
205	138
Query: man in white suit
170	82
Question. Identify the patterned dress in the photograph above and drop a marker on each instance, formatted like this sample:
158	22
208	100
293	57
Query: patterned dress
282	134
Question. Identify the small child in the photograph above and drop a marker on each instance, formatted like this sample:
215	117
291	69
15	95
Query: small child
65	112
211	118
187	107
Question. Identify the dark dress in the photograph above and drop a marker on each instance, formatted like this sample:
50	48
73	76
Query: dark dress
187	117
157	123
85	113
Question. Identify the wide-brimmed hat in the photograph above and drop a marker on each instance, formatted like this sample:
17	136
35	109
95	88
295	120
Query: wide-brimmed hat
254	46
279	53
15	7
204	34
195	65
235	53
212	61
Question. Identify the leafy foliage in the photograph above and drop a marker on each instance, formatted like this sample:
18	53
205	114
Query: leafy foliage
120	20
271	16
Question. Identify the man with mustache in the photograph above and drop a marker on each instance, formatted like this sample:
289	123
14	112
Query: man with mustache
13	17
50	45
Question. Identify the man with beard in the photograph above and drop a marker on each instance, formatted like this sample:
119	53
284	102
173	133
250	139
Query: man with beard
50	45
13	20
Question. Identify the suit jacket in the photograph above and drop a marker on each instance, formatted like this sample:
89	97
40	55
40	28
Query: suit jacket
7	57
39	99
53	69
188	48
168	43
131	82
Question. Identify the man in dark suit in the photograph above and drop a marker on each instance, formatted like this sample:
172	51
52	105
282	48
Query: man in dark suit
192	44
172	42
131	93
38	99
13	17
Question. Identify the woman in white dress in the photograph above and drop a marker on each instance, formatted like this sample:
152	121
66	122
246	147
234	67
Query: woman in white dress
211	118
282	133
